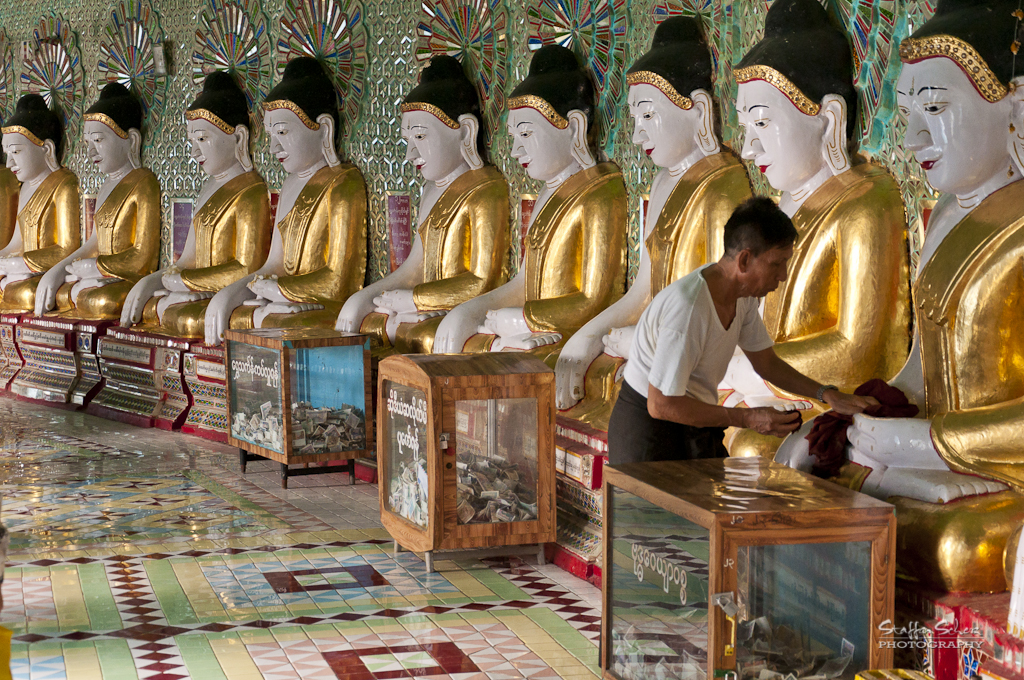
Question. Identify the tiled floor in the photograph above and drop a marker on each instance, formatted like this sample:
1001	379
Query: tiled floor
145	554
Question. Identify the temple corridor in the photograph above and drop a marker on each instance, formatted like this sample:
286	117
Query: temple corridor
142	553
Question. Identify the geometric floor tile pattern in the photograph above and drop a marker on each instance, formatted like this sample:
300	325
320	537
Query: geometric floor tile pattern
142	554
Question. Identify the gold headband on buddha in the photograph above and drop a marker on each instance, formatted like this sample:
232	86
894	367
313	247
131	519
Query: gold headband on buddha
966	57
108	121
210	117
294	108
541	106
23	131
433	110
652	78
782	83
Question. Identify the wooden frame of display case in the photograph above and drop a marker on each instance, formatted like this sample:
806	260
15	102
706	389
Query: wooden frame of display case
300	339
766	516
445	379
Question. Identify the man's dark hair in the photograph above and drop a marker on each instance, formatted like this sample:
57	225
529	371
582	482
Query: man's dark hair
758	225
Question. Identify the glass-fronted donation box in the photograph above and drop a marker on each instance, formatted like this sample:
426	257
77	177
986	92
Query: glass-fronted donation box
466	450
299	395
742	565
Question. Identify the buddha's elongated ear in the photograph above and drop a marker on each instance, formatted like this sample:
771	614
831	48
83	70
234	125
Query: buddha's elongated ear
580	149
327	139
50	149
135	148
242	155
705	132
469	128
833	111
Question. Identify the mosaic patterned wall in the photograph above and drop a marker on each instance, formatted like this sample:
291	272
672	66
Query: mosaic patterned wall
376	49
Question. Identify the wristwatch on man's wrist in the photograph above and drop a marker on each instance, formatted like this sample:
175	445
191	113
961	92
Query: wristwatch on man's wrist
820	396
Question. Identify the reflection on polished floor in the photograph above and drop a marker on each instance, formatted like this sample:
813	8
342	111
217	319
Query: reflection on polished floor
145	554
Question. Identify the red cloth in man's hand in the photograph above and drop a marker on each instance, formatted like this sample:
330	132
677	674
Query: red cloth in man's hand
827	439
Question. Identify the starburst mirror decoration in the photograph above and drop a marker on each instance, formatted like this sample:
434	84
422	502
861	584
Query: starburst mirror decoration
596	32
131	53
472	31
233	37
8	97
52	67
333	31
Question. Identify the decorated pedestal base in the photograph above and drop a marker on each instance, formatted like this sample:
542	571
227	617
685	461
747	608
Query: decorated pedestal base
10	358
142	385
204	374
580	455
60	363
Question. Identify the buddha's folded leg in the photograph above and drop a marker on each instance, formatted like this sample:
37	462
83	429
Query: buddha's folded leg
185	319
20	296
316	318
102	302
601	389
481	342
64	303
241	318
417	338
375	325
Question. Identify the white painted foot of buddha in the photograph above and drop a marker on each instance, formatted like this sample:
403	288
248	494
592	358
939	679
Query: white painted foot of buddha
749	388
794	451
523	342
281	308
168	298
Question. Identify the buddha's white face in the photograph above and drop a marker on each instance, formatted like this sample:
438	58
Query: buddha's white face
539	146
958	137
433	147
294	145
109	152
786	145
26	160
664	131
212	148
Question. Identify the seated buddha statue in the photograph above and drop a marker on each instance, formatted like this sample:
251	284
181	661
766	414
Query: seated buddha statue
318	250
575	251
230	232
463	235
692	196
948	470
842	316
48	202
93	281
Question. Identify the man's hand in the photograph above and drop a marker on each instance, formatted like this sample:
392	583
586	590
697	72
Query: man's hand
770	421
848	404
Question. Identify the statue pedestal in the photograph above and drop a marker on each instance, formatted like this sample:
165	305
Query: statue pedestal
580	454
142	379
946	633
60	363
203	372
10	358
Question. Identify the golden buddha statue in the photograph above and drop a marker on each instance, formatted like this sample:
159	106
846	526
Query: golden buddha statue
575	252
230	233
842	316
948	472
318	250
48	202
463	236
93	281
692	196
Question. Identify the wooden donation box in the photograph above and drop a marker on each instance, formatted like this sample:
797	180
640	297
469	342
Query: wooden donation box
299	395
465	450
743	565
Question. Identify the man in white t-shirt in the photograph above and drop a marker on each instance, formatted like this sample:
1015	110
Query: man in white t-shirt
668	405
